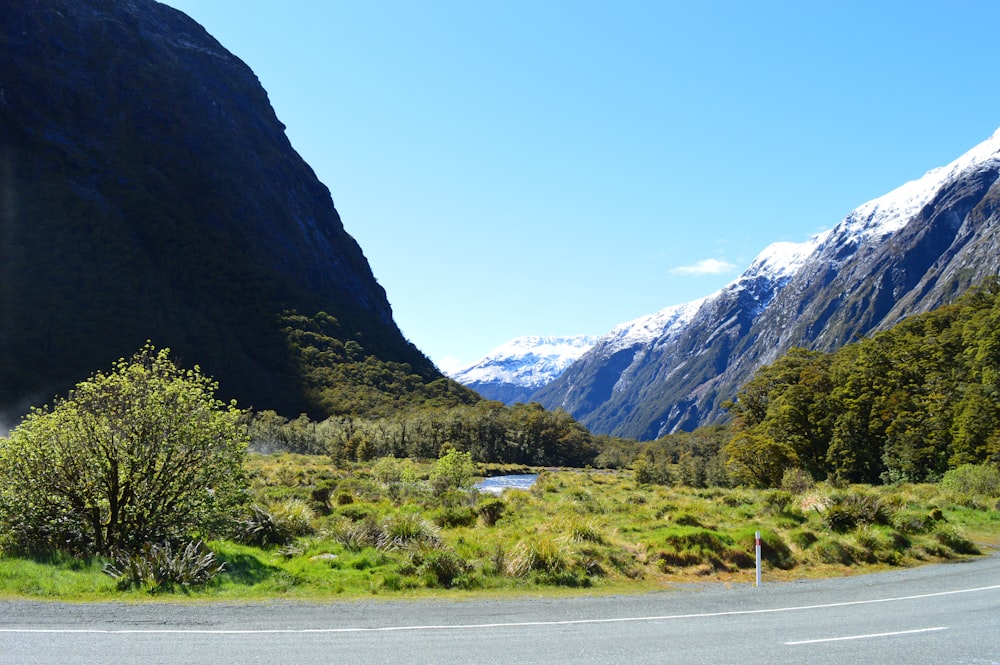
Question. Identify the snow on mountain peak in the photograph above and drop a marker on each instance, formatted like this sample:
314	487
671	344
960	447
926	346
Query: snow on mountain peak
890	212
783	259
646	329
529	361
534	361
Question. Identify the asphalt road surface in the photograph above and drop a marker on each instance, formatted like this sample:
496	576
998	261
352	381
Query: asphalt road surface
947	613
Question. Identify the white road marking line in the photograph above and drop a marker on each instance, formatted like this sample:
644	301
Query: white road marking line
869	636
475	626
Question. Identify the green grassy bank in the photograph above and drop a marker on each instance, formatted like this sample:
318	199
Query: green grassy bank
388	529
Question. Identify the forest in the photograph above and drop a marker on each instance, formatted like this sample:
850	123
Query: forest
906	404
885	452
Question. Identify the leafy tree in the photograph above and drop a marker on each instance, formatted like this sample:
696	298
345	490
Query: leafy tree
758	461
143	454
454	470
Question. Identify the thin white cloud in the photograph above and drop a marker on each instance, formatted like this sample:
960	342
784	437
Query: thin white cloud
705	267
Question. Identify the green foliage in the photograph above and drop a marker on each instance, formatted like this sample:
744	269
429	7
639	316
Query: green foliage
906	405
796	481
156	568
953	538
142	454
442	567
973	480
852	509
757	460
278	524
491	432
579	529
538	554
454	516
342	377
491	510
453	471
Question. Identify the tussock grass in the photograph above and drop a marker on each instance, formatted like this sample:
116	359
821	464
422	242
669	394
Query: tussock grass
380	529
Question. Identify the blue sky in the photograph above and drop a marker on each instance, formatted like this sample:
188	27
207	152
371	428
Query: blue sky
558	167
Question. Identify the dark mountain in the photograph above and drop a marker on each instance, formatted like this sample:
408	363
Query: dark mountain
905	253
148	191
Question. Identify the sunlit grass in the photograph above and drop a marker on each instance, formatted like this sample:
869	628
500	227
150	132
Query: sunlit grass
364	533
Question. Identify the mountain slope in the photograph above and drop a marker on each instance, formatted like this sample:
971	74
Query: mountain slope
148	191
904	253
513	371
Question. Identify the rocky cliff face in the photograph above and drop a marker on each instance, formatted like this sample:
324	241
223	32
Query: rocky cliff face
907	252
148	191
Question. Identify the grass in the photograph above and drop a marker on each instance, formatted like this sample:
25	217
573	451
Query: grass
359	533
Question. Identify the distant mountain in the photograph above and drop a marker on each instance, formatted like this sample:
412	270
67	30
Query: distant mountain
148	191
904	253
513	371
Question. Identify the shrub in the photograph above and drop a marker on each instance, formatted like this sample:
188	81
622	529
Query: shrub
442	567
454	470
797	481
454	516
402	530
850	510
357	511
490	511
278	524
142	454
539	554
356	536
831	550
589	532
160	568
954	539
777	501
973	480
910	521
803	539
687	519
775	551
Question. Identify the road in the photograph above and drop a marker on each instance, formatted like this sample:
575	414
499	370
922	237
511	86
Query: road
948	613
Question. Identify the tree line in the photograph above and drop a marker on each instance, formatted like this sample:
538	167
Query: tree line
907	404
489	431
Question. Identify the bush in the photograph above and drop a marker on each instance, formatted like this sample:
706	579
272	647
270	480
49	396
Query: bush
357	511
159	568
402	530
454	516
687	519
442	567
803	539
278	524
777	501
797	481
490	511
142	454
830	550
586	532
452	471
973	480
848	511
954	539
539	554
910	521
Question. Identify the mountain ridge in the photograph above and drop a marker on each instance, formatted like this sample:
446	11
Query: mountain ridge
511	372
151	193
905	252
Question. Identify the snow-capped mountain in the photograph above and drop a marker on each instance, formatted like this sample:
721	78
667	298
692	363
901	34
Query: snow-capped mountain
906	252
513	371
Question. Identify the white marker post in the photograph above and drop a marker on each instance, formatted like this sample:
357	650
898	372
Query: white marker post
756	542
